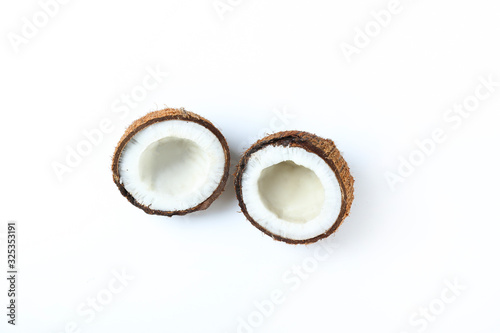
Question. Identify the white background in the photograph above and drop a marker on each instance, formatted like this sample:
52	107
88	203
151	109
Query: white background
202	273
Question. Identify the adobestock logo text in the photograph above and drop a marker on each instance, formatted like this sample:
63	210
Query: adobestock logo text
453	118
32	25
121	108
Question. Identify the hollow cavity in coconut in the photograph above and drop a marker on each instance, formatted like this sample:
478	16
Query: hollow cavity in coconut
294	186
171	162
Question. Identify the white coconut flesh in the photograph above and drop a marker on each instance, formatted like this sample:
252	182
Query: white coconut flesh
172	165
291	192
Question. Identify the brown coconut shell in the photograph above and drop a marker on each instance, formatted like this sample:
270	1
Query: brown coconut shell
325	149
166	115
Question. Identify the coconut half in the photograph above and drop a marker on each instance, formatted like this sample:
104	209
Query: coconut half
171	162
294	186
